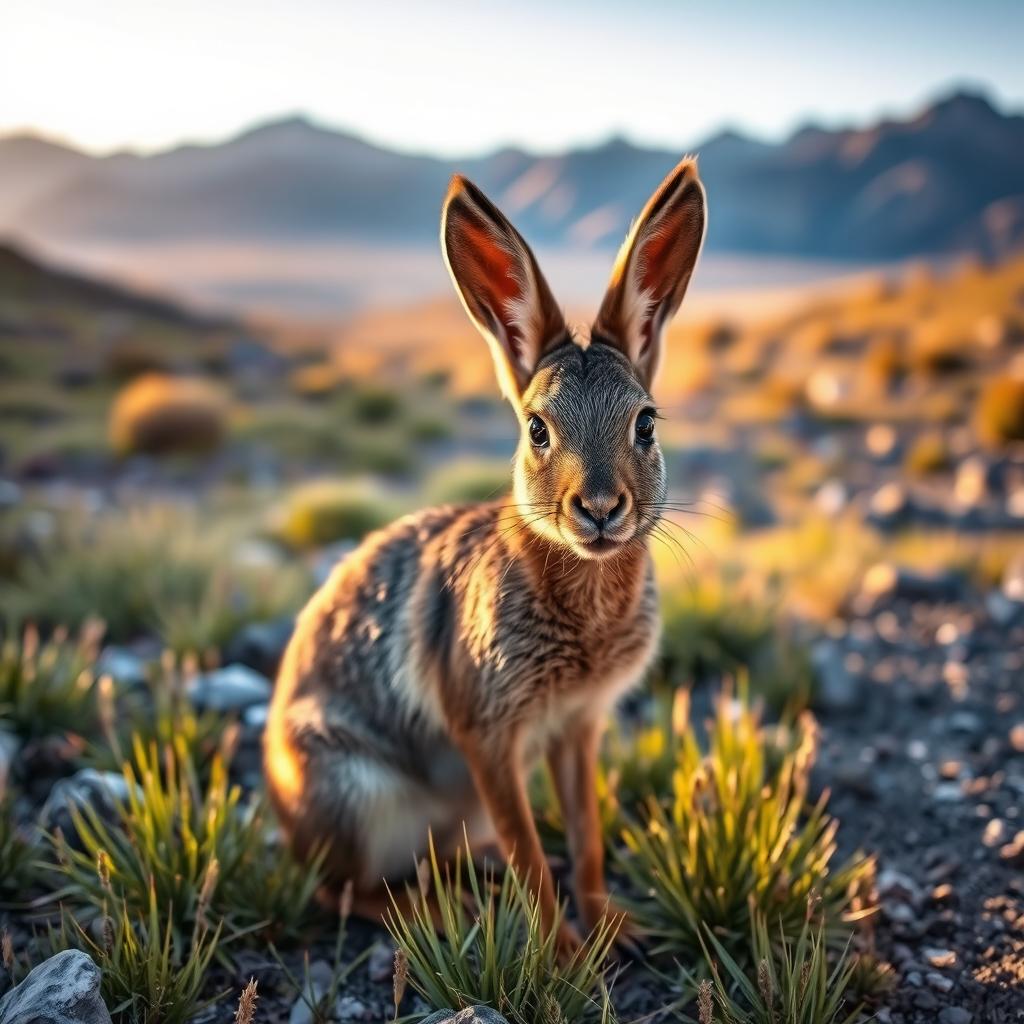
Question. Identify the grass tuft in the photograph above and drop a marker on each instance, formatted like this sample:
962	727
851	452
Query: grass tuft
735	836
492	949
47	687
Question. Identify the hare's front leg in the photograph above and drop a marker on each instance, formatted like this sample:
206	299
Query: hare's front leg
572	759
496	764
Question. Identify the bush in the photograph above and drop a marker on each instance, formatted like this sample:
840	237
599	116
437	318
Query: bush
159	414
148	975
195	846
496	952
324	511
375	406
999	415
734	836
156	569
470	481
793	982
47	688
714	629
927	455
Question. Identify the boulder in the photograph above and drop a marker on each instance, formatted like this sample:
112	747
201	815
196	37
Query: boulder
62	990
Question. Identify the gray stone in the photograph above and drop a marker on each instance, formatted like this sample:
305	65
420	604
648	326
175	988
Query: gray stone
102	791
260	645
955	1015
10	494
319	982
9	747
126	668
838	689
62	990
350	1008
470	1015
381	963
233	688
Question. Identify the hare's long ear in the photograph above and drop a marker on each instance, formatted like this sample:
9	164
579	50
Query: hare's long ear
653	269
500	284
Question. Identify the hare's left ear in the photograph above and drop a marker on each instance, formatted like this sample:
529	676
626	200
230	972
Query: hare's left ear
653	269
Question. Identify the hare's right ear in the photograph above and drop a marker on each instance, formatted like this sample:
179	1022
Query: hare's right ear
500	284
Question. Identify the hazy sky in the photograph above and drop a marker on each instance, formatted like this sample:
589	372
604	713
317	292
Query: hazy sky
461	77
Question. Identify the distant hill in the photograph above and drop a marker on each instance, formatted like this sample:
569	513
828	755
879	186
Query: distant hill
25	282
948	180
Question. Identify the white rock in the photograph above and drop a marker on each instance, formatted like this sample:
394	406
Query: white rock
62	990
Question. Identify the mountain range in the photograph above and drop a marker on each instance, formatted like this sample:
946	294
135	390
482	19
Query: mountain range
948	180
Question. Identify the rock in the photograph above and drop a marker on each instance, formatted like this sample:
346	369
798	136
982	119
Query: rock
940	957
470	1015
886	580
9	747
974	476
233	688
1017	737
350	1008
881	441
10	494
255	717
1013	579
832	497
838	689
1013	851
319	982
260	645
62	990
890	506
955	1015
995	833
125	667
1004	611
381	963
939	982
102	791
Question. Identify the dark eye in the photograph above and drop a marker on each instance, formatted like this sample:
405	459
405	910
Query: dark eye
645	428
538	432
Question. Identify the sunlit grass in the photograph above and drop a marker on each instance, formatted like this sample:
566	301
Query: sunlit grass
735	834
492	949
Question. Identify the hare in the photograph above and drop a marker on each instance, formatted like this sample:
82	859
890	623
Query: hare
458	645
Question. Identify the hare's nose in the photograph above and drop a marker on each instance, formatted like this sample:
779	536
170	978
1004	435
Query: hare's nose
599	510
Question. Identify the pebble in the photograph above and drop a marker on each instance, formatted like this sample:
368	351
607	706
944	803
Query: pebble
954	1015
995	832
381	962
940	957
233	688
939	982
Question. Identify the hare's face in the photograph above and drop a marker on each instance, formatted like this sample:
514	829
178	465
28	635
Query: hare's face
589	473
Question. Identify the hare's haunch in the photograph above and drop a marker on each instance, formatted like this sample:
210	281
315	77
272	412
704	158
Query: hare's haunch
458	645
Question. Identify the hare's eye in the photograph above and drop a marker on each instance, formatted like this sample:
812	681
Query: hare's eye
538	432
645	428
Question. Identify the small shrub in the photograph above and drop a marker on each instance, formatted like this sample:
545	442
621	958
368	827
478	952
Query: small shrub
153	570
47	688
735	835
792	981
324	511
149	975
158	414
999	416
375	406
713	628
470	481
496	953
928	454
196	846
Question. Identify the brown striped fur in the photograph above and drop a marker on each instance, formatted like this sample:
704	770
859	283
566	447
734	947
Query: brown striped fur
462	643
